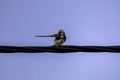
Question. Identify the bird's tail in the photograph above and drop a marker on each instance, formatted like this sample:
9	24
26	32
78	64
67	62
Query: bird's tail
43	36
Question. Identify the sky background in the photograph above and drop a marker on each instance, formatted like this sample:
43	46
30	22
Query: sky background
86	22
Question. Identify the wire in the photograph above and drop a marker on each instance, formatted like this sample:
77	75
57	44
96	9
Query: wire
61	49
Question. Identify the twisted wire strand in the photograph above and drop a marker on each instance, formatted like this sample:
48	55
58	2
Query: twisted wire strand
61	49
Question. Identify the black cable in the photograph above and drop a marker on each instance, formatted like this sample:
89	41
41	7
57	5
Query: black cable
61	49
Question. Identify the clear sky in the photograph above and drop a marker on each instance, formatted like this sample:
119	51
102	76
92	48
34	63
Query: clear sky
86	22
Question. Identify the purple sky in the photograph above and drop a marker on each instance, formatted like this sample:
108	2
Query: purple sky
86	22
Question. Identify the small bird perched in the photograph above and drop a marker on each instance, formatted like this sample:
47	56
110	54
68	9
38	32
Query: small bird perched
60	38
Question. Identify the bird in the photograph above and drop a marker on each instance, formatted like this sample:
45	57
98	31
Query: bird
60	38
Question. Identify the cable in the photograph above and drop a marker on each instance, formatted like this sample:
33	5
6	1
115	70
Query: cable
61	49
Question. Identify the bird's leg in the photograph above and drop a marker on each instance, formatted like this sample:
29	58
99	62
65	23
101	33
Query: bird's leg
58	42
